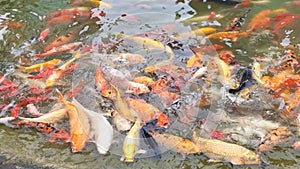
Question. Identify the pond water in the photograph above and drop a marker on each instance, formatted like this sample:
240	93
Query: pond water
18	45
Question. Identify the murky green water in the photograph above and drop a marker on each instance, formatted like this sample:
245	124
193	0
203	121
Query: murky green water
27	148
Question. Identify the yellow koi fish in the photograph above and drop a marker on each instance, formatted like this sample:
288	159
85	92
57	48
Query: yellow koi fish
132	142
40	66
175	143
122	107
219	151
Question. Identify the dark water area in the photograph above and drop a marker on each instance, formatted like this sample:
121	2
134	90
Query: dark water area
21	23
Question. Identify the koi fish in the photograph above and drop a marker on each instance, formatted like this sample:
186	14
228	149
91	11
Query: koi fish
40	66
60	19
129	59
205	30
4	80
123	107
147	112
144	80
218	151
284	22
12	24
44	34
131	143
245	3
175	143
79	125
233	35
71	11
59	41
145	42
121	123
102	85
237	23
224	72
262	19
15	111
151	146
60	71
273	138
101	130
58	50
51	117
31	108
55	134
45	73
137	88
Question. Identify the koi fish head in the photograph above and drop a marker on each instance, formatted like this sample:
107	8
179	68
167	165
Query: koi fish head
108	93
250	158
162	121
77	143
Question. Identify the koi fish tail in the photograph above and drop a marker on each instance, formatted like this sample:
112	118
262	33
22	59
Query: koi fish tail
151	145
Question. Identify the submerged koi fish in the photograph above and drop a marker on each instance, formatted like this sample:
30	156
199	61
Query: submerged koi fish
61	40
148	112
58	73
262	19
219	151
102	84
55	134
44	34
175	143
11	24
79	127
233	35
71	11
123	107
40	66
58	50
131	143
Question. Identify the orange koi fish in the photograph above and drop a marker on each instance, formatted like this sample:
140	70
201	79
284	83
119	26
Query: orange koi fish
227	56
233	35
262	19
275	137
102	84
59	41
60	19
78	125
147	112
12	24
77	11
40	66
55	134
58	50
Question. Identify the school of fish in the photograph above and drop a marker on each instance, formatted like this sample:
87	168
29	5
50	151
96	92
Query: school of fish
142	99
